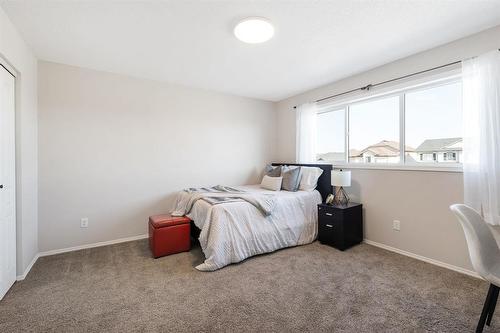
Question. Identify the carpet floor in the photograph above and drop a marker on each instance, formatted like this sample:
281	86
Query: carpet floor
316	288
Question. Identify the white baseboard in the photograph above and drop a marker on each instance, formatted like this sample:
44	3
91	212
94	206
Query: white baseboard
76	248
89	246
28	269
422	258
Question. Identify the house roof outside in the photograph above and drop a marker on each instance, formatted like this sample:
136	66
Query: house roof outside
385	148
436	145
354	152
331	156
337	156
381	151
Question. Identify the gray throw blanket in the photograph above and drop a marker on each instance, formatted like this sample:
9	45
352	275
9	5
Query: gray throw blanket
221	194
213	189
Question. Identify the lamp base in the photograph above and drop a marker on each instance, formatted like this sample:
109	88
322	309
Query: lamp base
340	197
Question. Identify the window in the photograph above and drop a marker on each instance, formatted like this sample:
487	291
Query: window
450	156
433	122
331	136
374	131
427	118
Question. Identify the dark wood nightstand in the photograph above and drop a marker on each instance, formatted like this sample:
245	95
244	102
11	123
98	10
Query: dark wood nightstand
340	226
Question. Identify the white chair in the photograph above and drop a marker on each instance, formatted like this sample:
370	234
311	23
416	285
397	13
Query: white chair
484	255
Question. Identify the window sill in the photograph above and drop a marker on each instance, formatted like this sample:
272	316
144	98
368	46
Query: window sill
408	167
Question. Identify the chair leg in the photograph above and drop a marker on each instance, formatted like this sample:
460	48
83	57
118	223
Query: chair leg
493	303
486	309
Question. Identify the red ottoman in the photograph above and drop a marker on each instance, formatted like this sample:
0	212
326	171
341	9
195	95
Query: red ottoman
169	234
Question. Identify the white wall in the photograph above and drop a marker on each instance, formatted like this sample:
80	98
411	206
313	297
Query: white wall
19	56
419	199
114	149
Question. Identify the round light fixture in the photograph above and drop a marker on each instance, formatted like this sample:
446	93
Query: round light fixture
254	30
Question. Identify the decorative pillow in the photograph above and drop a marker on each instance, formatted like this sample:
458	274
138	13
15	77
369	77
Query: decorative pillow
271	183
310	176
272	171
291	178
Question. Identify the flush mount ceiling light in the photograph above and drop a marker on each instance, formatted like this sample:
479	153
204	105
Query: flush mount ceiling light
254	30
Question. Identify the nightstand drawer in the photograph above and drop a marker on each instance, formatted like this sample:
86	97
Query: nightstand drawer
325	211
327	214
328	231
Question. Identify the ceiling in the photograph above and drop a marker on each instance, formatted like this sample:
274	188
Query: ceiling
191	42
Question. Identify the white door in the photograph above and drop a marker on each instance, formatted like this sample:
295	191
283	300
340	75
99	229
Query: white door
7	182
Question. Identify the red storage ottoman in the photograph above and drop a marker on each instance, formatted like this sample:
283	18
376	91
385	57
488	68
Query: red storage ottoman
169	234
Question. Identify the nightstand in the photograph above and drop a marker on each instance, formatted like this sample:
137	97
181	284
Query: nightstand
340	226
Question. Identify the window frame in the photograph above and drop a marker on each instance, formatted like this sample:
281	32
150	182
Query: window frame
401	93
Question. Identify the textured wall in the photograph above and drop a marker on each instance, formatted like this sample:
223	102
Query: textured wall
114	149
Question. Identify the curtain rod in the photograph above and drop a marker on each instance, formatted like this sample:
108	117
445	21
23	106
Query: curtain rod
369	86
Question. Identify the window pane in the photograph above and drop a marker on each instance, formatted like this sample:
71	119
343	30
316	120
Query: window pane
374	131
434	125
331	136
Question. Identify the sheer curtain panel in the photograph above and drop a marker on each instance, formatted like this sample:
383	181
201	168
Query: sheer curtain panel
306	133
481	108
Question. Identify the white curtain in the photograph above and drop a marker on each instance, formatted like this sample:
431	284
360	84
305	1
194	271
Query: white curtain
306	133
481	118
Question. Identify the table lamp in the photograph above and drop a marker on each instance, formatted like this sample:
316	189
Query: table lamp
341	179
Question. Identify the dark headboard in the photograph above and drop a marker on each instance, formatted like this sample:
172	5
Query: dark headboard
324	182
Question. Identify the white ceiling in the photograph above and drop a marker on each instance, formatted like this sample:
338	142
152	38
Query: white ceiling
191	42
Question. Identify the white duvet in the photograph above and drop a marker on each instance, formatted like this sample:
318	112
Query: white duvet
232	232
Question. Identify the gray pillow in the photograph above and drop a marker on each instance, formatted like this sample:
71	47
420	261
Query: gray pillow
291	178
273	171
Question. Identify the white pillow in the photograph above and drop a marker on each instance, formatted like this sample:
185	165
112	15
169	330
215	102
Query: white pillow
271	183
309	178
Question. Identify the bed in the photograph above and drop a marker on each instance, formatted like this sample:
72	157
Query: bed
233	231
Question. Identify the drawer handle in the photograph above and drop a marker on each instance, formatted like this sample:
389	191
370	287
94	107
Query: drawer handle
329	214
329	225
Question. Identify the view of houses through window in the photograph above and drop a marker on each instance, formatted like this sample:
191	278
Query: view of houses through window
432	128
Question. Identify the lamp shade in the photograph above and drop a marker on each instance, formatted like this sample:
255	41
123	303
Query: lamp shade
341	178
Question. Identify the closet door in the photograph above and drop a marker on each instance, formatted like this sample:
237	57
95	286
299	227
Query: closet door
7	182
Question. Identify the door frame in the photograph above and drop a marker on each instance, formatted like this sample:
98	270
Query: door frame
7	65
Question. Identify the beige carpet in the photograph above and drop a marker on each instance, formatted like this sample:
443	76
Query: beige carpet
120	288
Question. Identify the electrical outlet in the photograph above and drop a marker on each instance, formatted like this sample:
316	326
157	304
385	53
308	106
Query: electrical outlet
396	225
84	222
